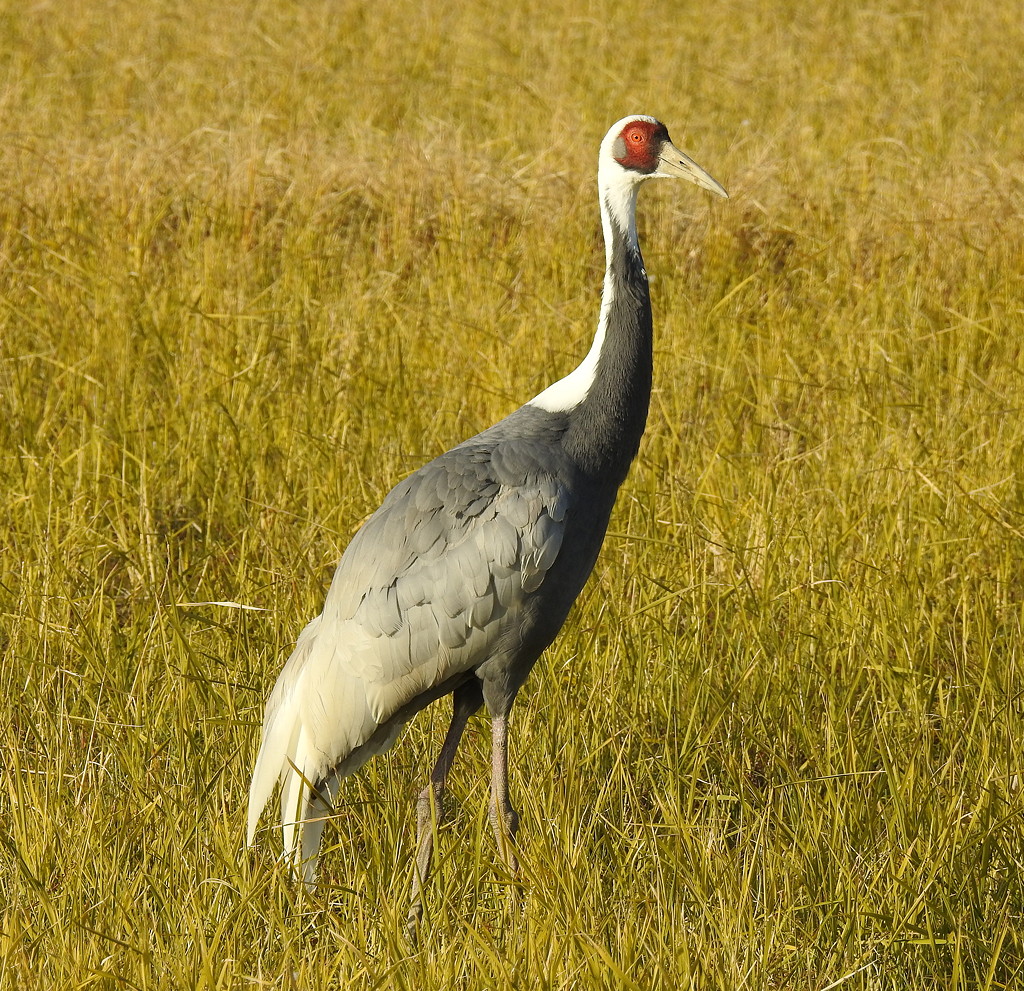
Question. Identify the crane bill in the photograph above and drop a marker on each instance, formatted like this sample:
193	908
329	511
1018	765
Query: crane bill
673	164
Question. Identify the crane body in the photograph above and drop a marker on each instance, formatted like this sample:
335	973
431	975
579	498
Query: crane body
468	570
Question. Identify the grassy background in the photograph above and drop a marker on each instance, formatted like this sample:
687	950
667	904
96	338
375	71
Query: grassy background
260	260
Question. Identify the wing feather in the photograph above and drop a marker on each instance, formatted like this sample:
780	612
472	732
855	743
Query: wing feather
424	591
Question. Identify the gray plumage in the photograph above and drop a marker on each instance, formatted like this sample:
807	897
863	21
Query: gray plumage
468	569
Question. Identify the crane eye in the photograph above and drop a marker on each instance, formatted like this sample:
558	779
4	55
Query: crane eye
636	137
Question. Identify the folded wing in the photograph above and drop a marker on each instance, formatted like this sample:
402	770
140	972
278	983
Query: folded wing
424	592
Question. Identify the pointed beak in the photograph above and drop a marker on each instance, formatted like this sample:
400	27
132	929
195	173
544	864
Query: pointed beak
673	164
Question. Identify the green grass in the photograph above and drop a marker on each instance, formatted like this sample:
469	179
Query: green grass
259	261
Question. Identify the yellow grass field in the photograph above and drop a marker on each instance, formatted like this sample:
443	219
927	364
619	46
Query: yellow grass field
260	260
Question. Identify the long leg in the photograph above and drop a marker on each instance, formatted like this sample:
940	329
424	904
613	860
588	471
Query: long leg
467	699
504	818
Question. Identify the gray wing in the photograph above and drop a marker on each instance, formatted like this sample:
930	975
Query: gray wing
432	585
446	564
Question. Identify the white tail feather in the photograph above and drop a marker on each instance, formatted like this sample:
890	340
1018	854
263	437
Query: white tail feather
282	727
316	716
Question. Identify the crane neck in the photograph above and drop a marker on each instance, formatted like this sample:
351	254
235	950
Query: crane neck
606	397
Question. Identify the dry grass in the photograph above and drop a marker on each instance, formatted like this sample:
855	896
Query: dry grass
258	261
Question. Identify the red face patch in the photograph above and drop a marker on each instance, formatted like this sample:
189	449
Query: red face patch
639	145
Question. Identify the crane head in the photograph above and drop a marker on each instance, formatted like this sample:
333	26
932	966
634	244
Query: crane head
641	148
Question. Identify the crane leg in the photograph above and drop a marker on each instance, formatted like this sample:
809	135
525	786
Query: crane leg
504	818
466	700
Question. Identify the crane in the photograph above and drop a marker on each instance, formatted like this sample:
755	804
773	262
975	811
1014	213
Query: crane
468	569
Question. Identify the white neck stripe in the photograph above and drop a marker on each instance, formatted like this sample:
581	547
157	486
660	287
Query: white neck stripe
618	191
567	393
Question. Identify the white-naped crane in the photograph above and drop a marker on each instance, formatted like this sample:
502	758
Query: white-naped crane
468	569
